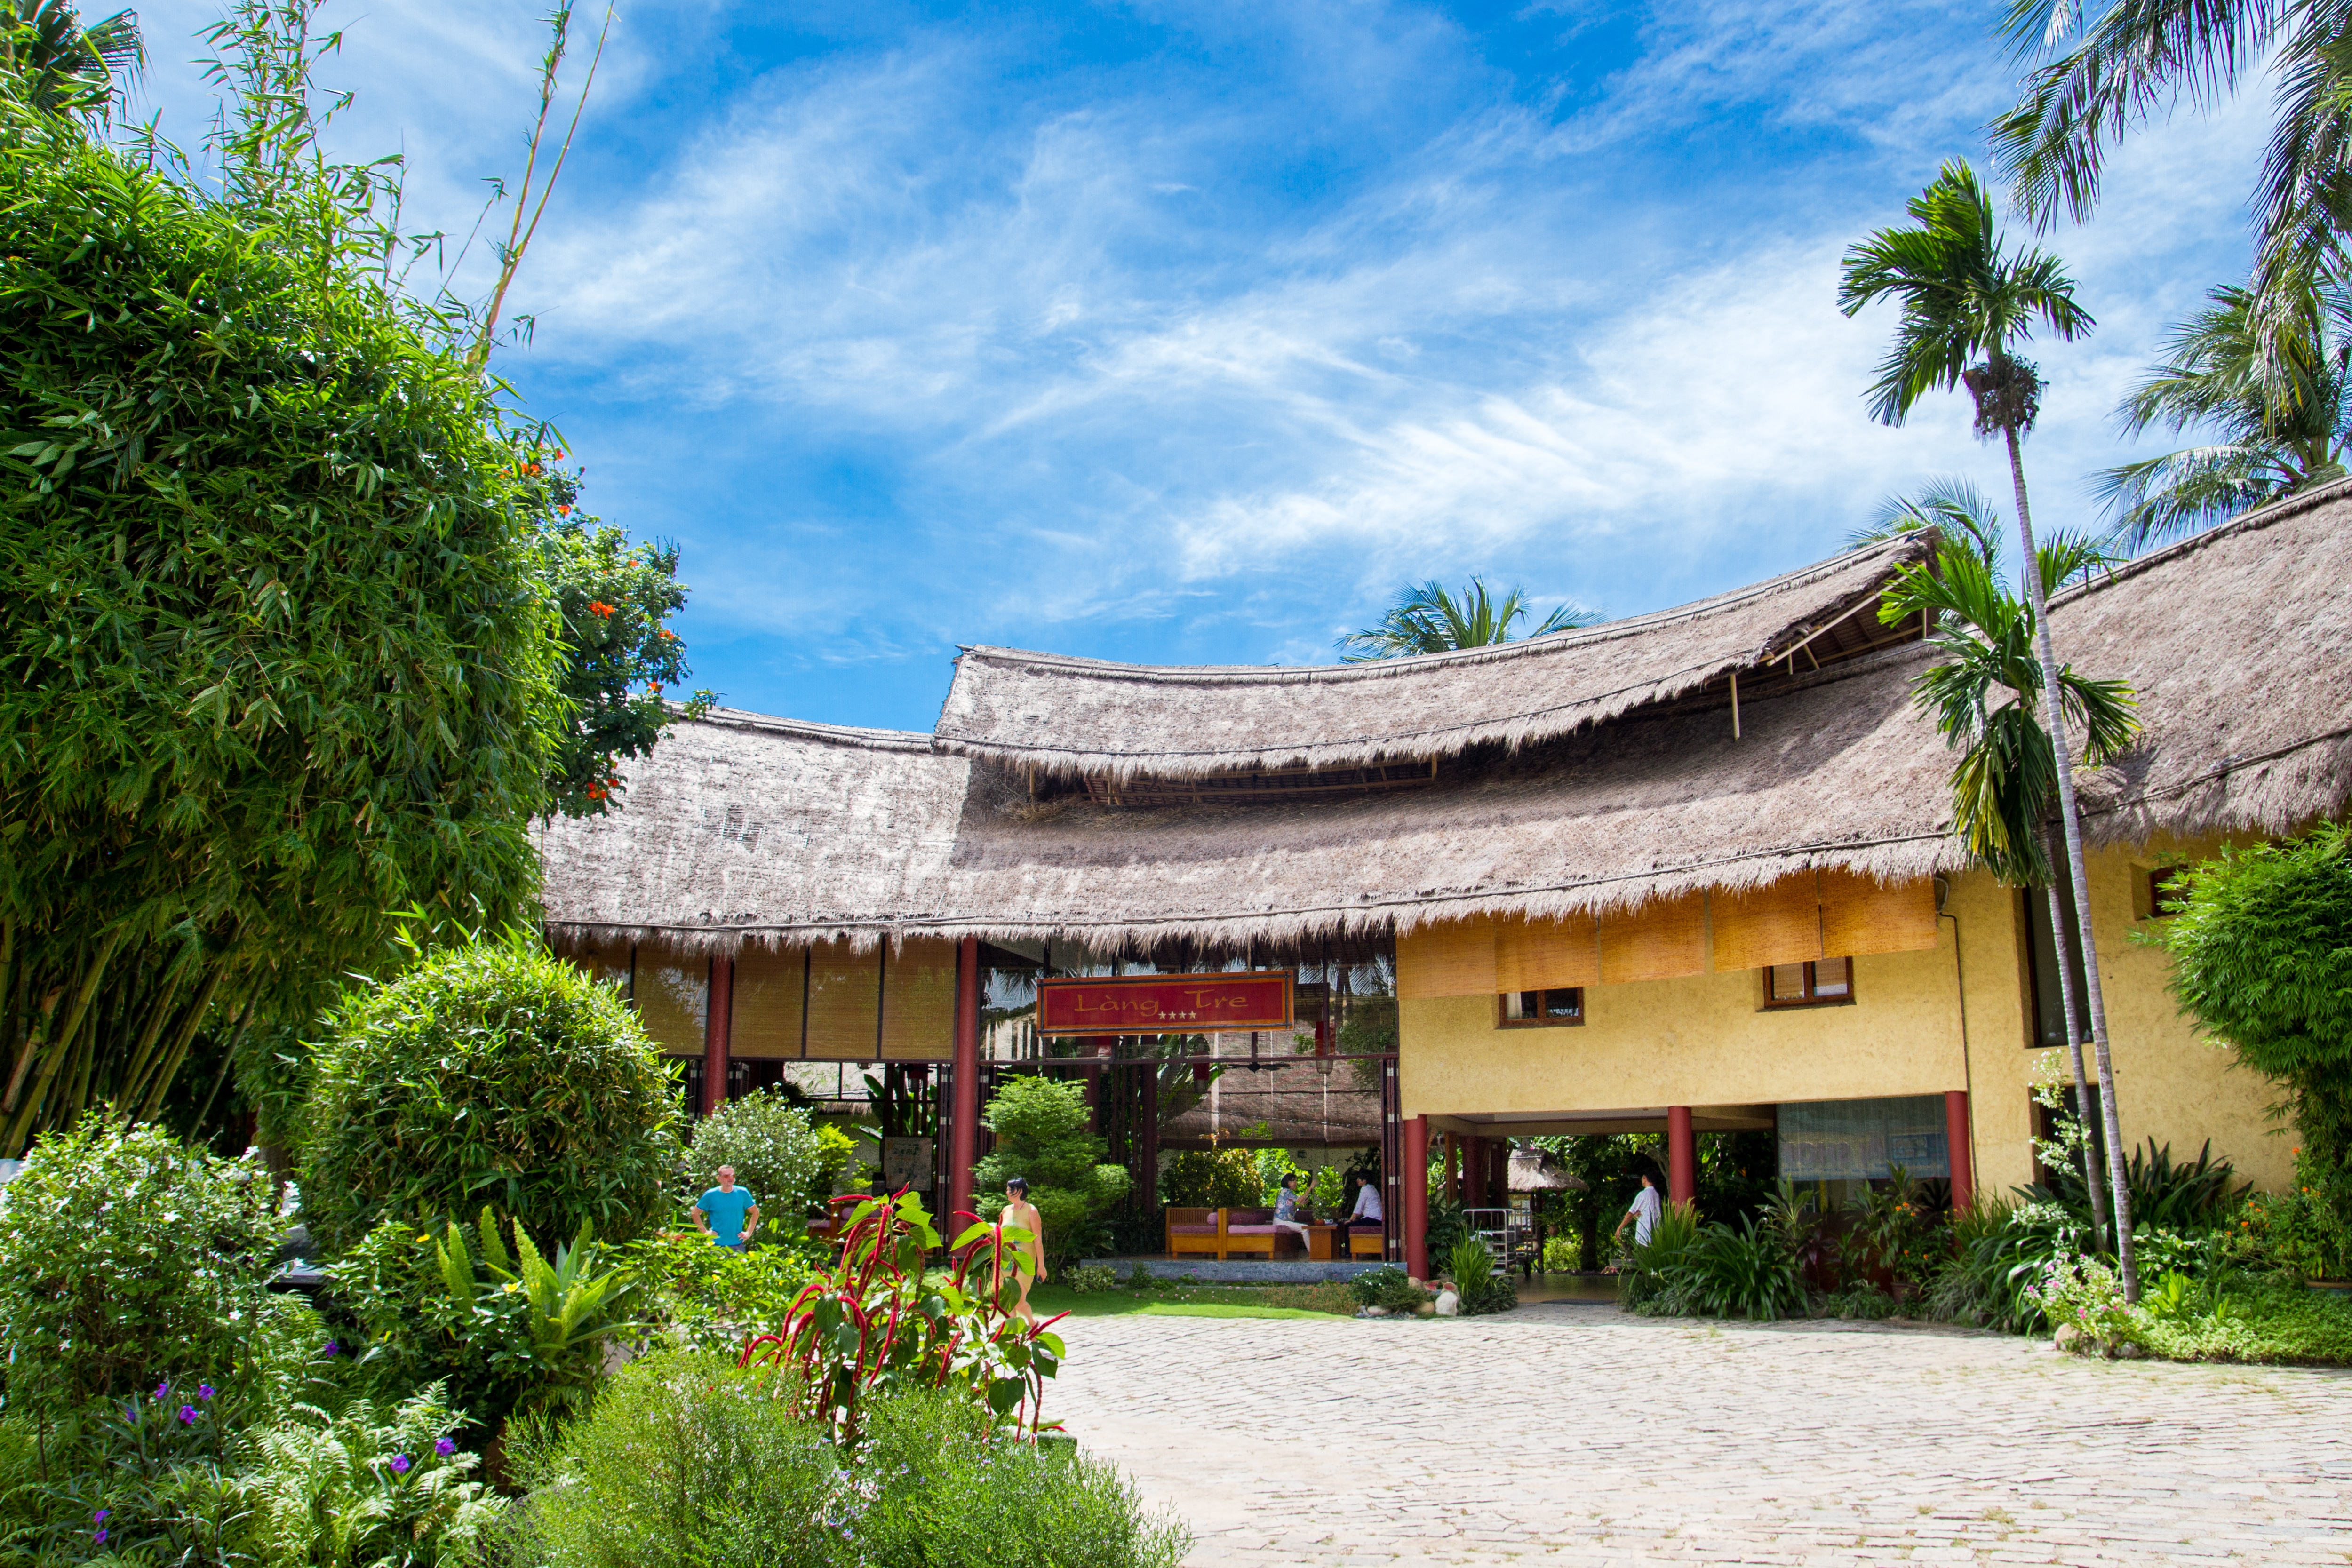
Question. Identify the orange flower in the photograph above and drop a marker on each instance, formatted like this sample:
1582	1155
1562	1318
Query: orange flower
565	511
598	607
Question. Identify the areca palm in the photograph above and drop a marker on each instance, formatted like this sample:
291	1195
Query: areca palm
1967	299
2217	376
61	67
1953	508
2129	62
1429	619
1986	693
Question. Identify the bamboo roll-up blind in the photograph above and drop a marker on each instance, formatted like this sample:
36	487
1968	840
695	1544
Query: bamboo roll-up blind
1537	954
1455	959
1861	915
769	985
673	997
919	992
607	959
1780	923
844	1002
1656	941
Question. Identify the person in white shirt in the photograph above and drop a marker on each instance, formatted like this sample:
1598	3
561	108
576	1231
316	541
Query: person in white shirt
1285	1211
1646	1207
1366	1214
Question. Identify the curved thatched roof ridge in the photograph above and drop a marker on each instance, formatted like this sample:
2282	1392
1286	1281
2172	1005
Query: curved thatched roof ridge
1085	715
2239	641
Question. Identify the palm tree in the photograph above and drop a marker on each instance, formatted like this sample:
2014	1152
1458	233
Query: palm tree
2136	59
1986	693
2215	374
1430	620
62	67
1964	295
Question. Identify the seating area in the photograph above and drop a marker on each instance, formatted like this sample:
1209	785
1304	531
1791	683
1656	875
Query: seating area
1221	1233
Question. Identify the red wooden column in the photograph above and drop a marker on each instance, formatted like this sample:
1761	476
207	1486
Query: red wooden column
1681	1156
717	1018
1415	1136
963	1115
1955	1134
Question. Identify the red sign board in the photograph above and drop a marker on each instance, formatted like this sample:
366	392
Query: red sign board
1165	1004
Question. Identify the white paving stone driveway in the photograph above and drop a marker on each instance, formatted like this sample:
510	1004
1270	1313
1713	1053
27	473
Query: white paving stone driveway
1574	1434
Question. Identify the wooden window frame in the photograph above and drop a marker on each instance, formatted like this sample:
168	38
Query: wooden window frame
1502	1003
1773	1004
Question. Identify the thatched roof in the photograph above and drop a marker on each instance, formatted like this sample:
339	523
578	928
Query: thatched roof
1540	1170
1069	715
2240	643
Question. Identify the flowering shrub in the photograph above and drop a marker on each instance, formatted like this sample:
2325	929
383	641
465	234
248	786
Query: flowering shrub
127	1258
2302	1229
1091	1279
2085	1294
774	1149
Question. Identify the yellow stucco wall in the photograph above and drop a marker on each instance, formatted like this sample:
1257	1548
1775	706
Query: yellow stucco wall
1706	1039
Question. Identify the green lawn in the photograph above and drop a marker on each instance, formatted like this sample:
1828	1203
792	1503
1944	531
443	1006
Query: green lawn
1170	1299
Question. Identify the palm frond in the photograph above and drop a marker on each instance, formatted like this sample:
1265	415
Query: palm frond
2157	499
1948	504
1428	618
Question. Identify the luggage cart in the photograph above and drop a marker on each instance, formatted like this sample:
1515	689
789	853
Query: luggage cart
1508	1234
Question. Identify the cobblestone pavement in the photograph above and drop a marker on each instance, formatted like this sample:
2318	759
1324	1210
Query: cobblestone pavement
1573	1434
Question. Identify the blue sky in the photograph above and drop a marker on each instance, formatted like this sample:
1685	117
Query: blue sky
1189	335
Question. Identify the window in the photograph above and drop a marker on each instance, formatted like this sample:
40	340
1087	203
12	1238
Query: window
1825	982
2165	886
1537	1009
2049	1007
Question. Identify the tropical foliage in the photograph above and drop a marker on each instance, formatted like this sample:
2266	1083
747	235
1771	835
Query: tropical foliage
126	1256
58	66
1041	1135
494	1073
879	1324
773	1147
2280	423
1432	619
2262	956
1985	692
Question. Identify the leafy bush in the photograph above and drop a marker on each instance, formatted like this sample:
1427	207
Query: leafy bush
1861	1303
2084	1294
1210	1178
685	1462
2264	1320
1650	1279
506	1329
492	1073
168	1477
127	1258
774	1149
1562	1255
1386	1287
2262	954
1893	1232
2181	1197
714	1298
2302	1230
1999	1247
1743	1272
1478	1285
1091	1280
1041	1133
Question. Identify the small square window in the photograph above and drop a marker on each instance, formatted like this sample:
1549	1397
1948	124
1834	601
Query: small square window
1560	1005
1825	982
2165	886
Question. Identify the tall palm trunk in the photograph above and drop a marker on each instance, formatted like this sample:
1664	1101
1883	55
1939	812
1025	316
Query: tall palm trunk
2077	871
2063	942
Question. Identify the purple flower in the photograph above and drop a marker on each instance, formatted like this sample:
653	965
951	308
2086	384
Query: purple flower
399	1463
98	1537
188	1414
445	1446
161	1389
204	1391
99	1517
333	1349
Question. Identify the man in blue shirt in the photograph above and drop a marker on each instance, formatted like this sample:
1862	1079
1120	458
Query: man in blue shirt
729	1213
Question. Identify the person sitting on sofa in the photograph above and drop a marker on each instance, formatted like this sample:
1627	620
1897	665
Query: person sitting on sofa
1365	1216
1285	1211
